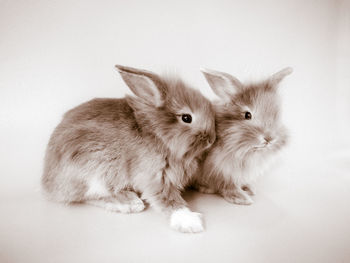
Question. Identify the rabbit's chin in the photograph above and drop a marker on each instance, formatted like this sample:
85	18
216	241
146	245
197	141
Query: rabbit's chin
262	148
185	146
266	148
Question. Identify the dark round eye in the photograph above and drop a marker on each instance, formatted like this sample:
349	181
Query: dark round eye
247	115
186	118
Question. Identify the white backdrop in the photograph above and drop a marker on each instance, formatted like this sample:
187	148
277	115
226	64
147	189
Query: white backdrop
56	54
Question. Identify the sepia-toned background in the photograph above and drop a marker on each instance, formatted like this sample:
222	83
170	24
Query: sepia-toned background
57	54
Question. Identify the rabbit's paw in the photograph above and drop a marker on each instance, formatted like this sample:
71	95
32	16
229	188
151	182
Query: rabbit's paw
134	206
239	199
114	205
185	221
249	189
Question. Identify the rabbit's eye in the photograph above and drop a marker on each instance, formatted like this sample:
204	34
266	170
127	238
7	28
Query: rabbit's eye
186	118
247	115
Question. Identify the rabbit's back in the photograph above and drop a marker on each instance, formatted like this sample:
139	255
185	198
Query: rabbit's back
93	139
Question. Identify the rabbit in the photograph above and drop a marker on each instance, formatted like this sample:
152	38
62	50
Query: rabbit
249	133
115	153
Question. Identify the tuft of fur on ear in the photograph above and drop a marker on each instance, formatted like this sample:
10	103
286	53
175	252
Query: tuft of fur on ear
144	84
280	75
224	85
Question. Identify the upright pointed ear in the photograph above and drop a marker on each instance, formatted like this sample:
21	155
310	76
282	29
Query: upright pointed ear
224	85
144	84
280	75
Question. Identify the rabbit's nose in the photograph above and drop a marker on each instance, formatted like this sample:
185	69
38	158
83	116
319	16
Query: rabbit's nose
268	139
211	139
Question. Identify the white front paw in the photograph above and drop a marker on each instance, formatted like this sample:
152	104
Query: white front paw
184	220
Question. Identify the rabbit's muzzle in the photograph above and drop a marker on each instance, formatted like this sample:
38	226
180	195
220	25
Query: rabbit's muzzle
205	139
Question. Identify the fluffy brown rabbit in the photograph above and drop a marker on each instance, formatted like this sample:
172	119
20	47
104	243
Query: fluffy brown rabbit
249	133
107	152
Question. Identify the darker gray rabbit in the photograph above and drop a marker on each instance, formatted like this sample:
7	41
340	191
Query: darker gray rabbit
107	151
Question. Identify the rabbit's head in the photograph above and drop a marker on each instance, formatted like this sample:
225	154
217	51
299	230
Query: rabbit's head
248	115
179	116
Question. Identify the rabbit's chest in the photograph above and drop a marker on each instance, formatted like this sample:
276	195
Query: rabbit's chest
251	169
241	172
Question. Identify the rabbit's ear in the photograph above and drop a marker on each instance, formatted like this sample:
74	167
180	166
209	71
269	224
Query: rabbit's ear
144	84
224	85
280	75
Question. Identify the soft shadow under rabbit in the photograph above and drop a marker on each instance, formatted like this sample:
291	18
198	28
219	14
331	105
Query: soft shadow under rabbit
107	151
249	133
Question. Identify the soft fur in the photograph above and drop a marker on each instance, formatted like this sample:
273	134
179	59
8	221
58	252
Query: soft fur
244	147
107	151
